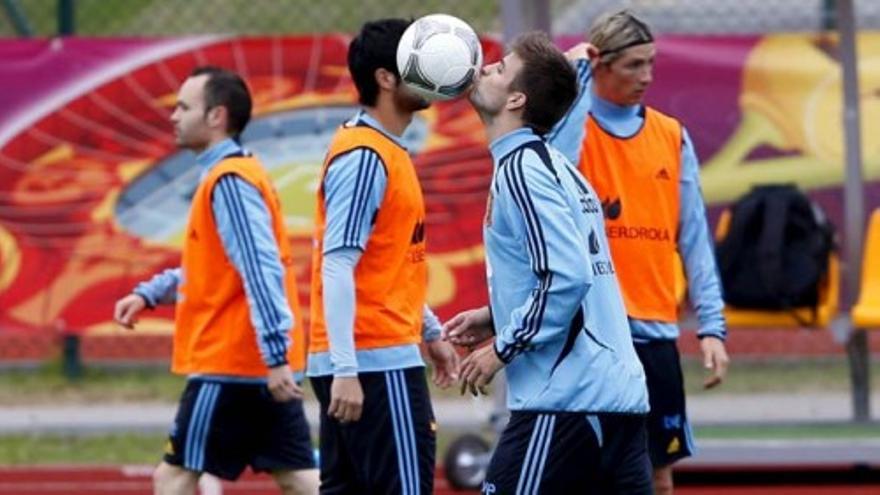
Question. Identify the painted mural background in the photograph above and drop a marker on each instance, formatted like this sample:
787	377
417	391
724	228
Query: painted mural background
94	195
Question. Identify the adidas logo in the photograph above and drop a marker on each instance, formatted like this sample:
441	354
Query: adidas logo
662	174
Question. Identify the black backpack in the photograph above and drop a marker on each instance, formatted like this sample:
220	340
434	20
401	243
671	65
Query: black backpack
776	251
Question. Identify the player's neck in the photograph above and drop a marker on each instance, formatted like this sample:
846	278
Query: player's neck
213	141
501	124
391	118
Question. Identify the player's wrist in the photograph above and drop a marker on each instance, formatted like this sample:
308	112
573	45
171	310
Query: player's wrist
498	353
148	301
277	361
714	335
432	335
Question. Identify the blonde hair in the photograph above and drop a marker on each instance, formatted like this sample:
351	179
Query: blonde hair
614	32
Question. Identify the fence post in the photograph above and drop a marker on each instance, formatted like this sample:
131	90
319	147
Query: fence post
854	208
66	11
519	16
71	358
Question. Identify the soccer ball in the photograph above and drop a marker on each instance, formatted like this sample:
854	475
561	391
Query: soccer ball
438	56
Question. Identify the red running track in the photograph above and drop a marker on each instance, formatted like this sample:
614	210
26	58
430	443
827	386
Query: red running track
135	480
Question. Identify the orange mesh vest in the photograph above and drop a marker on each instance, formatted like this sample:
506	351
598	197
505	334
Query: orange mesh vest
391	275
636	179
214	334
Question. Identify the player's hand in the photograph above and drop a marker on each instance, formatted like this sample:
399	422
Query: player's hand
468	328
714	359
582	50
127	309
346	399
281	384
446	362
478	369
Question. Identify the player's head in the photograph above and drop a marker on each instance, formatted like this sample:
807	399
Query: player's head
624	67
372	62
212	104
533	81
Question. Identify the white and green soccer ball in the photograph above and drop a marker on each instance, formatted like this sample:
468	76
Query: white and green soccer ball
438	56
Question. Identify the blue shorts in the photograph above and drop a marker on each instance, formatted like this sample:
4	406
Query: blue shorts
223	427
567	452
669	433
391	448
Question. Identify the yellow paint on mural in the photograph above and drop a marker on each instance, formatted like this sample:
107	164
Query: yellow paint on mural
306	100
57	154
144	326
104	210
10	258
80	273
129	170
441	276
792	101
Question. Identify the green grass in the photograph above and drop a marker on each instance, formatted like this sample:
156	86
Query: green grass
92	17
47	385
788	375
147	448
127	448
789	432
164	17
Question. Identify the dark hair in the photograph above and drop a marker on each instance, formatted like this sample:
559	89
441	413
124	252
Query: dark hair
225	88
547	79
375	47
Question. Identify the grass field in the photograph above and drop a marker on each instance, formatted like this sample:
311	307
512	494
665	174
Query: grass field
164	17
48	385
147	448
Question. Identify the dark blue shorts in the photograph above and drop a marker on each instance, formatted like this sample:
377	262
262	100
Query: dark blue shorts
391	449
223	427
669	433
571	453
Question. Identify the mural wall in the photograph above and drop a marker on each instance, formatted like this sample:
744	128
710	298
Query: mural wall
94	195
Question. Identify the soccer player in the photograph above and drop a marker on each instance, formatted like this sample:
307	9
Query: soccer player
645	171
369	284
236	311
576	389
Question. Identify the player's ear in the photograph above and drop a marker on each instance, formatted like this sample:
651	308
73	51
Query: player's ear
385	79
217	116
516	101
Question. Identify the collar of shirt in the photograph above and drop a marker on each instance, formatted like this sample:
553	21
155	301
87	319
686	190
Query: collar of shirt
212	156
363	117
615	117
505	144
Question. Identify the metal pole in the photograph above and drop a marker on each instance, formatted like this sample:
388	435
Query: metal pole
512	20
541	15
66	23
854	206
519	16
829	20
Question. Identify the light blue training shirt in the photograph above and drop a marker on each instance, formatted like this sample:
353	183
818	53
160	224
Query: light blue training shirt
559	317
